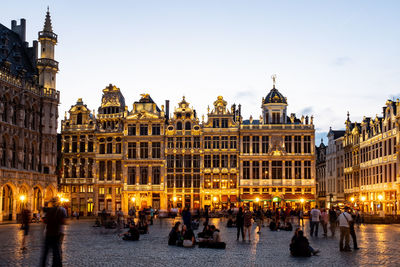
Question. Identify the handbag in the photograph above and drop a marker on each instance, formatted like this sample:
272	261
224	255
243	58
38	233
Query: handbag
187	243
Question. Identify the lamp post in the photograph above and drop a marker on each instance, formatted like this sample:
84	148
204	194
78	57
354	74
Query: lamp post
363	200
302	202
174	199
352	201
380	197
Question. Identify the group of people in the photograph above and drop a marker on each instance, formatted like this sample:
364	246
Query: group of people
345	220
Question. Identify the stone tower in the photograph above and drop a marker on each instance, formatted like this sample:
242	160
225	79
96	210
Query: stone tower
48	69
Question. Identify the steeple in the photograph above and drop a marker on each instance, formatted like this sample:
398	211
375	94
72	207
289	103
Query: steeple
47	23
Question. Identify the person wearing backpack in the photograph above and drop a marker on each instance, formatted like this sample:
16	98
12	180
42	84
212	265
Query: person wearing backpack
344	224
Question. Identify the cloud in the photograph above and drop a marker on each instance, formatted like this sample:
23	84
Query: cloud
307	111
245	94
341	61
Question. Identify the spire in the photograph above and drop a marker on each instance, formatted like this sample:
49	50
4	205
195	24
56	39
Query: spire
47	23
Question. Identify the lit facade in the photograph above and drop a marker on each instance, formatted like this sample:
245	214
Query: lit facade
28	119
146	157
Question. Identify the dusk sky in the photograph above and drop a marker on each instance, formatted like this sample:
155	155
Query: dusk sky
330	57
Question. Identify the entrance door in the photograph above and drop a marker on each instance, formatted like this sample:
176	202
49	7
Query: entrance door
7	207
187	201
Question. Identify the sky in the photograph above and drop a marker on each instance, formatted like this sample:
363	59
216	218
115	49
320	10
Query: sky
330	57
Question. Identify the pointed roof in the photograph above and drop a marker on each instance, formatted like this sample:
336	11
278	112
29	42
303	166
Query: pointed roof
47	23
274	96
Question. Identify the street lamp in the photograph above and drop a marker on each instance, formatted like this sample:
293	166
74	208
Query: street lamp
363	202
380	197
133	199
257	199
22	198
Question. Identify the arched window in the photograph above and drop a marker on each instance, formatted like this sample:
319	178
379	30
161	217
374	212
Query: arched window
179	125
79	119
14	154
188	125
4	152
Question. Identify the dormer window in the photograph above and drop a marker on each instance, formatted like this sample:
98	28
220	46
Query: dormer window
188	125
215	123
276	118
179	125
79	119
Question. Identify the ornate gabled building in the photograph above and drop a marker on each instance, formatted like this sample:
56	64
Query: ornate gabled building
183	153
277	156
221	152
28	119
320	174
144	157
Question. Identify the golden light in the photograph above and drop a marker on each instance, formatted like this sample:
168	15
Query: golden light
22	198
215	199
302	200
363	198
133	199
174	198
62	200
380	197
257	199
352	199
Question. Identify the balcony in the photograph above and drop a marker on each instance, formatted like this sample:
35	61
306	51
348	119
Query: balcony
46	34
47	62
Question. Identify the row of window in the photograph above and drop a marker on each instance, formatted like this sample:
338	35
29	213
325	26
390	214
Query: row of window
379	174
77	189
292	169
180	162
106	171
377	150
183	180
71	144
184	142
142	177
71	169
143	129
217	181
223	142
144	149
256	145
220	161
267	190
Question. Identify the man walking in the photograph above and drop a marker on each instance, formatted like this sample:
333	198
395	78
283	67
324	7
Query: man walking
240	223
344	224
315	215
332	220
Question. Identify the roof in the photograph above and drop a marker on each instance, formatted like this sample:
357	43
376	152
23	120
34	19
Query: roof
17	52
274	96
337	133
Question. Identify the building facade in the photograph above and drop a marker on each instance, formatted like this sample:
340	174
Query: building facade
146	157
28	119
320	174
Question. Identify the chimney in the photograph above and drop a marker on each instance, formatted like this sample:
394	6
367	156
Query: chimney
19	29
167	109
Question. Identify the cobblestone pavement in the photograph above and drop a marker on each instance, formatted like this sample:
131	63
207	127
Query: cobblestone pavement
88	246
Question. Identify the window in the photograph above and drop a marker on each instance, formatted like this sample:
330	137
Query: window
276	118
118	148
276	169
156	150
82	169
178	162
196	161
156	175
188	142
297	169
102	148
307	144
82	144
109	170
90	146
66	144
224	123
196	180
233	161
74	144
307	170
207	161
170	180
224	161
265	170
256	170
118	170
207	142
102	170
215	123
224	142
170	163
233	142
143	175
179	125
144	129
188	162
188	181
256	144
216	142
90	167
216	161
131	150
246	169
132	129
131	175
288	170
196	142
288	144
170	142
156	129
179	181
297	144
207	181
265	144
246	144
79	119
188	126
90	188
179	142
101	191
144	150
109	148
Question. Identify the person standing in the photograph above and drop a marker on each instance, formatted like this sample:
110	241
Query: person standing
344	224
248	216
120	219
352	230
324	221
151	215
301	217
240	223
206	215
332	220
315	215
54	220
25	221
187	218
260	219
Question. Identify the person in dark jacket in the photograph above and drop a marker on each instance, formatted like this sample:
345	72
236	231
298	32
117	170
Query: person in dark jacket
187	218
332	220
132	234
300	247
174	235
240	223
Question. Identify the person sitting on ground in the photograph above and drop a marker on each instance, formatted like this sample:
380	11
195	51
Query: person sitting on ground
174	235
143	227
195	224
230	223
286	227
273	226
300	247
205	234
132	234
97	222
214	241
188	239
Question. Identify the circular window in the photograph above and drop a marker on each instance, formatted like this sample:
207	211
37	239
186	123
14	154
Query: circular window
170	128
109	139
101	140
196	127
118	139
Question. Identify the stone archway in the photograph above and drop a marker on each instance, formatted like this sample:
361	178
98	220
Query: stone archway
49	194
7	203
23	199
